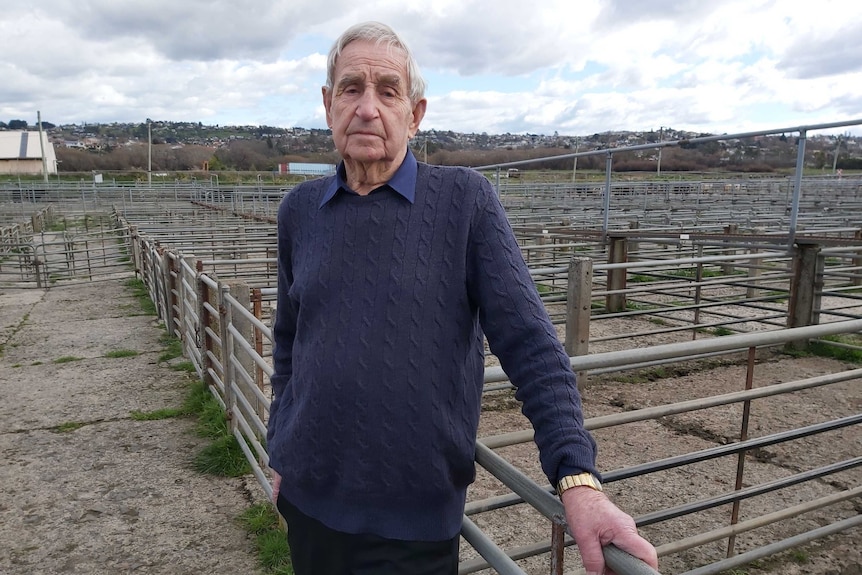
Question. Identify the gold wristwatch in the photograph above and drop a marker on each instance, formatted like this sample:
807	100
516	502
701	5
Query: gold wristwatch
586	479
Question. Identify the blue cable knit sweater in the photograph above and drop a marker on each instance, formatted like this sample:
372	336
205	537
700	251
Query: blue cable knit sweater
379	361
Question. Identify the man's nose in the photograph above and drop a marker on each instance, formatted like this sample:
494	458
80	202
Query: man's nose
368	104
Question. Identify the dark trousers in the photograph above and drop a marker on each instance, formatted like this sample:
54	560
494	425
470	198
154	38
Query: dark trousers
315	549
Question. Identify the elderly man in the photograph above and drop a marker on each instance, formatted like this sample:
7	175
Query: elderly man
389	273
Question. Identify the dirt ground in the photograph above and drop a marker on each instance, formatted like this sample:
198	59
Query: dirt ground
119	496
637	443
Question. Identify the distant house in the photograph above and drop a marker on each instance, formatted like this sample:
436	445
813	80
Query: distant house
20	153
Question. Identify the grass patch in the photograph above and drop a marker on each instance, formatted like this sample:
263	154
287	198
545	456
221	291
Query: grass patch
222	457
35	363
212	420
117	353
140	292
640	278
721	331
185	366
273	551
68	426
662	372
67	359
173	347
825	349
639	306
691	273
799	556
57	226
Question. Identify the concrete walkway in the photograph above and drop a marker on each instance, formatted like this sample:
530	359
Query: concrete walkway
83	487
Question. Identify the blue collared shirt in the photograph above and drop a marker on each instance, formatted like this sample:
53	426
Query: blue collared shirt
403	181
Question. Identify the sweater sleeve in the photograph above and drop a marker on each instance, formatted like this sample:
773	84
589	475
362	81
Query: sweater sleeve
521	335
284	324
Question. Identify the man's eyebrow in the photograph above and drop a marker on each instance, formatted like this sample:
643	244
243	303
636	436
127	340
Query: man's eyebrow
389	79
349	79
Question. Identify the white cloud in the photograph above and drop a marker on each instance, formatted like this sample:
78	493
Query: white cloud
557	65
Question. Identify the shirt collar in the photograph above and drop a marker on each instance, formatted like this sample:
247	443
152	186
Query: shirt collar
403	181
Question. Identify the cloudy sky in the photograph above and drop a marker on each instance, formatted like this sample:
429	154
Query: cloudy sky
541	66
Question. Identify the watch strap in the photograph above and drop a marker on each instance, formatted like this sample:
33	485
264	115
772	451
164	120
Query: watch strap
581	479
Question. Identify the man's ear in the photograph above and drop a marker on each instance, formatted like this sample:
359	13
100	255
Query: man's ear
418	114
327	101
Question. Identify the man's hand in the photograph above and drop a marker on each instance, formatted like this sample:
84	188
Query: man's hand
276	486
595	522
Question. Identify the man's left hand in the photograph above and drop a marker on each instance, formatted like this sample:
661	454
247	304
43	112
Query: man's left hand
594	521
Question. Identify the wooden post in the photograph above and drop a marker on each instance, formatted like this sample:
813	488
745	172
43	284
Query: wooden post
634	245
730	230
135	249
754	266
857	261
205	340
242	293
578	307
167	293
617	254
174	293
804	288
225	318
186	285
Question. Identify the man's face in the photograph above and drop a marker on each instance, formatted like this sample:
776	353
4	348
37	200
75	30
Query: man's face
369	108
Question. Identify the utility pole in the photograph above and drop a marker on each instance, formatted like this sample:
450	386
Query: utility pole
42	146
149	154
660	140
835	155
575	164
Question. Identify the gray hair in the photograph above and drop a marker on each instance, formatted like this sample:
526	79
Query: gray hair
380	34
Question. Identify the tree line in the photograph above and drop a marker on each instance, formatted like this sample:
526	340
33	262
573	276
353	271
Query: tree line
258	155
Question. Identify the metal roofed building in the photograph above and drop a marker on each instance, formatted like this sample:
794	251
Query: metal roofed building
20	153
306	169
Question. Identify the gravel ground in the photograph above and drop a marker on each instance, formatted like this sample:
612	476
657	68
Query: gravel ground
113	495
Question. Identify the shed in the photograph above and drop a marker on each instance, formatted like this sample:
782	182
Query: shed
20	153
306	169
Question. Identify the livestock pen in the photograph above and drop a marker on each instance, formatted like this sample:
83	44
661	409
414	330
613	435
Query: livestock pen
684	313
